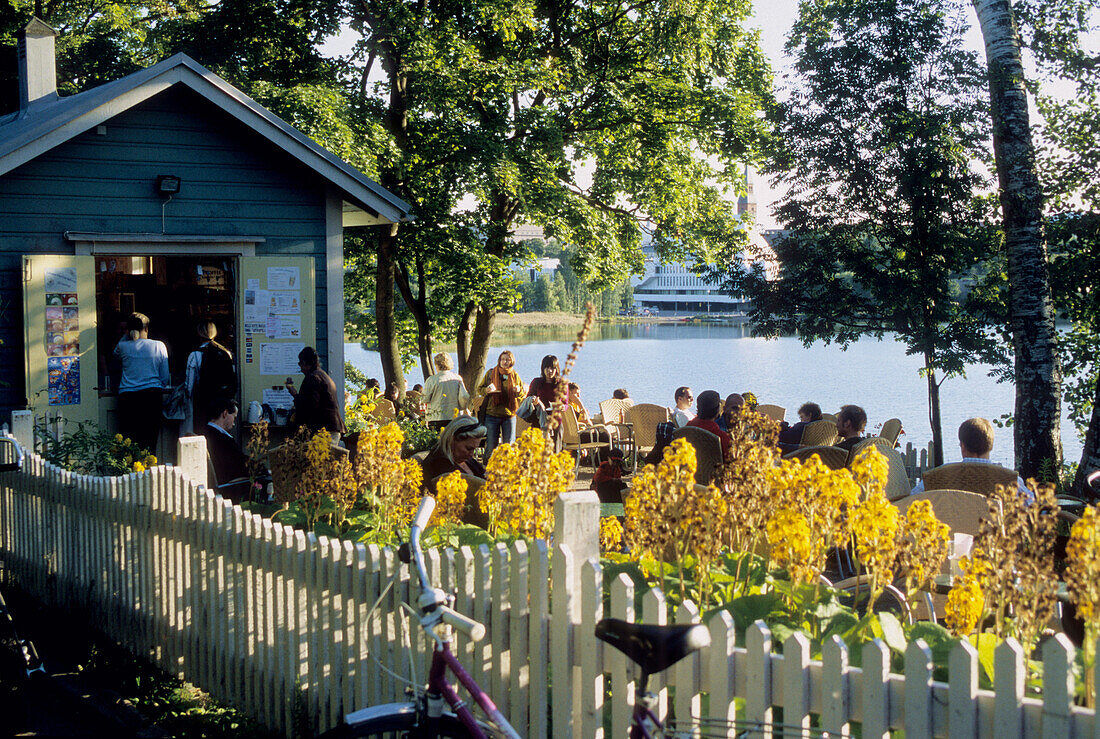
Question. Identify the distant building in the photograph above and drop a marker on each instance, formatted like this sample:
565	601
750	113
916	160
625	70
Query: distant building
526	232
675	288
542	267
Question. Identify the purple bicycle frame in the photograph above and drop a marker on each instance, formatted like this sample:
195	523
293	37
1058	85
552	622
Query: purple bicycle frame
638	726
442	660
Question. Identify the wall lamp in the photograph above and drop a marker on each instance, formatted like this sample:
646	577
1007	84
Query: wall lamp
168	184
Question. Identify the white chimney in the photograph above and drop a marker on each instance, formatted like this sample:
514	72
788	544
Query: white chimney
37	66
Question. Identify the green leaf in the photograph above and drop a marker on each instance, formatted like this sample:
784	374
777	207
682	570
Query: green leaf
892	633
468	535
987	645
748	609
290	516
321	528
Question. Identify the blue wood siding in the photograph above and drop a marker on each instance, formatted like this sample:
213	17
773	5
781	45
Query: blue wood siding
234	183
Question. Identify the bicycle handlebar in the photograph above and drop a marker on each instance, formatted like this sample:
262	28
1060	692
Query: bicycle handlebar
467	626
420	520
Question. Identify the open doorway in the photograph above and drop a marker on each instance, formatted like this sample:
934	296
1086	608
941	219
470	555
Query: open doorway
175	292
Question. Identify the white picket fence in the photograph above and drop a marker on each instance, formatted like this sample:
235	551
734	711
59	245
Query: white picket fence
275	621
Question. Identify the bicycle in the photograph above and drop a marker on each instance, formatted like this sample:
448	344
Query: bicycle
656	647
427	714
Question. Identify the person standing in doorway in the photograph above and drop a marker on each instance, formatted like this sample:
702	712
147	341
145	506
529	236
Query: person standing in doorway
145	378
211	378
315	405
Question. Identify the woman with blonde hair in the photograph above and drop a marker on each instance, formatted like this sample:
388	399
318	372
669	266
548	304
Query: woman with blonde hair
502	389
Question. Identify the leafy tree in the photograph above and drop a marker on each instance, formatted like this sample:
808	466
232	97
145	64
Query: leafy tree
97	41
881	128
1069	160
1037	369
1075	261
509	103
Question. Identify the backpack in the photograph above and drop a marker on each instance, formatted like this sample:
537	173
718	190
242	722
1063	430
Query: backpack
217	376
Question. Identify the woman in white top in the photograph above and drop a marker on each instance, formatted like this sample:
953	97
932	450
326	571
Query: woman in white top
444	393
144	379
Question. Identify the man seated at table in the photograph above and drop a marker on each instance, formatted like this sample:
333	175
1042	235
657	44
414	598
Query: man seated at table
231	466
850	423
709	404
681	414
730	410
975	445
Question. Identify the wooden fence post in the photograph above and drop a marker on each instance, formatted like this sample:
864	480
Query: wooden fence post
22	428
577	525
191	453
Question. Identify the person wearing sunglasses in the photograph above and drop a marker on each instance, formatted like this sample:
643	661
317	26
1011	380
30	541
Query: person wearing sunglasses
455	451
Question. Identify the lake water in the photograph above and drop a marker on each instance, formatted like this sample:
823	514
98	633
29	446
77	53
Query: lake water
652	360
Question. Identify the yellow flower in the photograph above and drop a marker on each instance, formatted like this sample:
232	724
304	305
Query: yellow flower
450	498
965	603
611	534
150	461
139	467
1083	564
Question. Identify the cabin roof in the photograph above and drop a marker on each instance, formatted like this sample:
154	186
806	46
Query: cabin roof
30	133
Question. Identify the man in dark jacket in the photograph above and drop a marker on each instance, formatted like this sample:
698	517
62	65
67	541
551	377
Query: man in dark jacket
230	463
315	405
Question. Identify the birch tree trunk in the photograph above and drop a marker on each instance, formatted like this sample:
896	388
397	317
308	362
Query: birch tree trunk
1037	429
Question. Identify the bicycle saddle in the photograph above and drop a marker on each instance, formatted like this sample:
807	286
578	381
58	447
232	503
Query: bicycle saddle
653	647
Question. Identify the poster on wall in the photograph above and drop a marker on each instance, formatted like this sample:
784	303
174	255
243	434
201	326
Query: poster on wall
280	359
63	380
62	336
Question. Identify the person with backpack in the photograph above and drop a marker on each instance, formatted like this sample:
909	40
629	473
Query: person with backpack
211	377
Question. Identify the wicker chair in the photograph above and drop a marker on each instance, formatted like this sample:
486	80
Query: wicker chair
614	410
384	410
891	430
975	477
963	511
828	417
897	479
774	412
644	417
708	451
832	456
614	413
571	437
819	433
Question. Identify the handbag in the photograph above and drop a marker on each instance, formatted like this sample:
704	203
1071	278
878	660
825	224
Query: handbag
529	412
175	403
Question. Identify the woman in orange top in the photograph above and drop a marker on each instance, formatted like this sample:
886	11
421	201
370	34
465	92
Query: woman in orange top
502	388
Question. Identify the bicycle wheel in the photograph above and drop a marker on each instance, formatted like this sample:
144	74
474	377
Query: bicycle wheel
398	721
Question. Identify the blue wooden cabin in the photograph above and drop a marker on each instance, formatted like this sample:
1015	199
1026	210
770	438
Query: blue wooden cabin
172	193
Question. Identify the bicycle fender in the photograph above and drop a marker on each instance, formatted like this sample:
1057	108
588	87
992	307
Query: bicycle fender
383	709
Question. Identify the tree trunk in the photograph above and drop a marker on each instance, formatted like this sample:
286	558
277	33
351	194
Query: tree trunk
418	306
397	122
1037	427
475	332
934	411
388	348
1090	455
